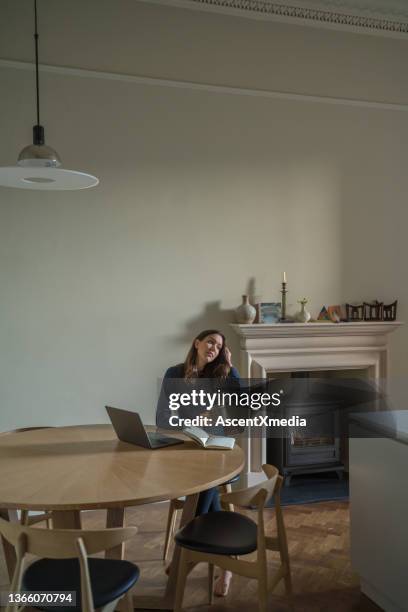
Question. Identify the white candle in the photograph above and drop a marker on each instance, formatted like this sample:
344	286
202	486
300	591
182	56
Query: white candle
284	277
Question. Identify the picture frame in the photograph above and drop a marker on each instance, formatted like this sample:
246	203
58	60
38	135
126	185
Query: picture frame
269	312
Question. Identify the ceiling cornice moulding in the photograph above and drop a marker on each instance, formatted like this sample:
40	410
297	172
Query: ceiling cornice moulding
320	15
207	87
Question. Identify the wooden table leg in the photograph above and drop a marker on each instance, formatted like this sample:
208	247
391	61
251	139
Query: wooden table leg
9	550
167	602
115	518
66	519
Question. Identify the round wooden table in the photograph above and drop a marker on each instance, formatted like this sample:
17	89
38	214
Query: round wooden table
68	469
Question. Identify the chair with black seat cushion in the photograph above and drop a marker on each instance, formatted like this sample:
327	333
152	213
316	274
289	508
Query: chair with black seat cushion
178	504
217	538
98	583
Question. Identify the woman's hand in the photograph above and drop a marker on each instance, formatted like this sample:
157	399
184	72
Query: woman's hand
228	356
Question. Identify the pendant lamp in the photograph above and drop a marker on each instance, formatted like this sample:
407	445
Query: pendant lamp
38	165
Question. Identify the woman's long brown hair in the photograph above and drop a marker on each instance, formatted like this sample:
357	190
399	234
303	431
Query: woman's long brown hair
219	368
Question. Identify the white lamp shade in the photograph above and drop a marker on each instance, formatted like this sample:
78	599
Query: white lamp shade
47	179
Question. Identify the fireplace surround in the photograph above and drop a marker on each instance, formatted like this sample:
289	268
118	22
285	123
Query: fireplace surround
268	349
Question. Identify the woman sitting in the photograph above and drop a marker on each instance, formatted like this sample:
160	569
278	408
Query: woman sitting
208	358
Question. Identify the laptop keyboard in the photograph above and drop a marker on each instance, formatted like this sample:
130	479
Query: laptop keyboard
157	439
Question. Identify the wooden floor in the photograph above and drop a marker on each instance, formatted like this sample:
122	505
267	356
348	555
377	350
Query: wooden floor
318	536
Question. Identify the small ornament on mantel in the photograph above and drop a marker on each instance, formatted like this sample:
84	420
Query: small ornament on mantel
324	316
302	316
245	313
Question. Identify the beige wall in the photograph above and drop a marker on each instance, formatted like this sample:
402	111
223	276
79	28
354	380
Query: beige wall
200	192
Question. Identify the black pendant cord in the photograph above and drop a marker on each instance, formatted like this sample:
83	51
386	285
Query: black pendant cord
38	130
36	62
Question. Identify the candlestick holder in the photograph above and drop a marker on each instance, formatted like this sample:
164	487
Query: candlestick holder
283	318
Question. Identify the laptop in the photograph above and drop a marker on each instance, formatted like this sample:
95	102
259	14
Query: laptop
129	428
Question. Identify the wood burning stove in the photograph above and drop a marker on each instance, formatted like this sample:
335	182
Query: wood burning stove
316	449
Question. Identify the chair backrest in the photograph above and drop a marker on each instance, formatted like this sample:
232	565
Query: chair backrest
259	494
62	543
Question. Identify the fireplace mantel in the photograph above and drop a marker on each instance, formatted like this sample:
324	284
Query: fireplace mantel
314	346
294	347
311	330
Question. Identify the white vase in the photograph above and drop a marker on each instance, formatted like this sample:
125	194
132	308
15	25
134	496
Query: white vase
245	313
302	316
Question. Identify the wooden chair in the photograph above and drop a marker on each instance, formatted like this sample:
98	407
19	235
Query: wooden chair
218	538
25	517
178	504
99	583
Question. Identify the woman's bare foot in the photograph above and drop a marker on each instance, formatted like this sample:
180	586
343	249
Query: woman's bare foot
222	584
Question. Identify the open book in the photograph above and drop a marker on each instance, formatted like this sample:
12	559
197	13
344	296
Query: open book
207	441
